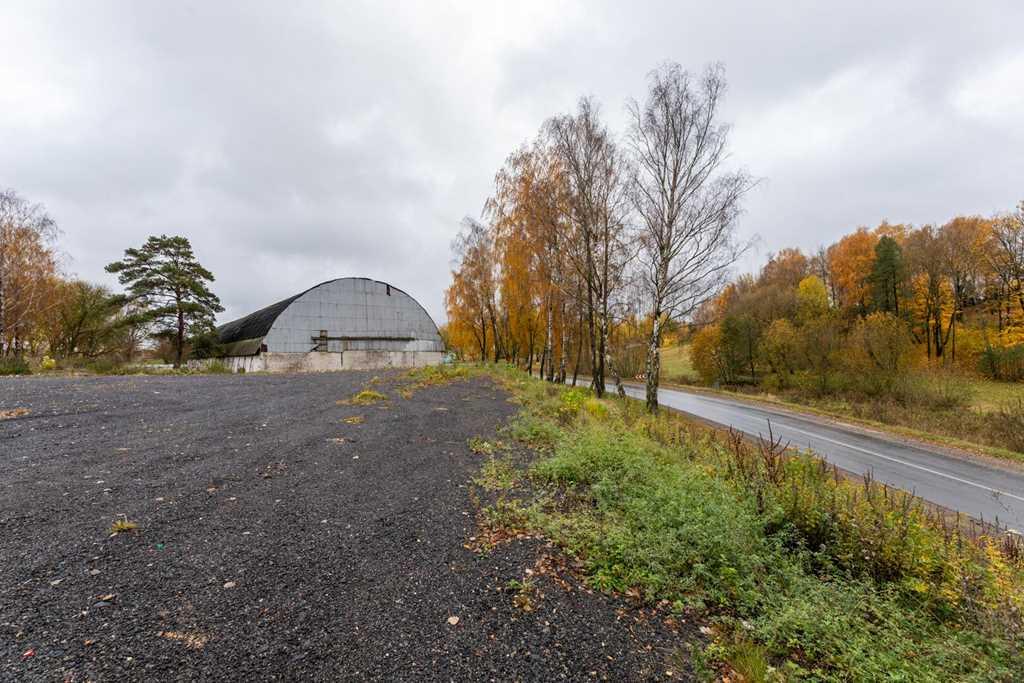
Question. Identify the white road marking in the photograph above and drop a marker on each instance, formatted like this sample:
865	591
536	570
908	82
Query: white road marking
951	477
908	464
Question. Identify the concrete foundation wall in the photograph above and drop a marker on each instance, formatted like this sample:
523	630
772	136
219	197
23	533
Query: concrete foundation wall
326	362
372	360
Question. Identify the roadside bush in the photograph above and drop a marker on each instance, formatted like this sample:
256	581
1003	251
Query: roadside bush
1008	425
216	367
820	343
671	530
937	389
826	579
104	366
1002	363
14	366
571	400
710	357
878	353
780	348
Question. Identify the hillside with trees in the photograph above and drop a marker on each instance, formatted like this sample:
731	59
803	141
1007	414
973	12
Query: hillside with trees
896	324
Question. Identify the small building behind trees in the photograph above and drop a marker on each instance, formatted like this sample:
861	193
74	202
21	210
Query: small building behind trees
344	324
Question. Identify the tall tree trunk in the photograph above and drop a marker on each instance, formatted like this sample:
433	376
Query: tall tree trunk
548	333
606	356
561	342
494	333
579	351
653	366
180	339
596	367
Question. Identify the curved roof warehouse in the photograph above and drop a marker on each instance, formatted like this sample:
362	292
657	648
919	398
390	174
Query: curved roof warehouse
348	323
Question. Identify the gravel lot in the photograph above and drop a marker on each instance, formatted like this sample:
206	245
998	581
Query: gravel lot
277	541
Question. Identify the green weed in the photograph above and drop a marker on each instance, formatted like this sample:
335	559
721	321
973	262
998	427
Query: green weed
364	398
484	447
803	571
497	475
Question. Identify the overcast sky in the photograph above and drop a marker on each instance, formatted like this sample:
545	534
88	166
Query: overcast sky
294	142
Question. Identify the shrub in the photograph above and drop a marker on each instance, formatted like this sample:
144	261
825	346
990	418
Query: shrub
535	432
571	400
14	366
780	349
596	408
709	357
672	531
1002	363
364	398
103	366
820	342
217	367
48	363
937	389
826	579
878	353
1008	425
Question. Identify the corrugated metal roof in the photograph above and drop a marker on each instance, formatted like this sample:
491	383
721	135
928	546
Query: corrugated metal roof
253	327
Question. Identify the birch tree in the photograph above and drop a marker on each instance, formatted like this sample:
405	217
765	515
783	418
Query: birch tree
598	245
686	201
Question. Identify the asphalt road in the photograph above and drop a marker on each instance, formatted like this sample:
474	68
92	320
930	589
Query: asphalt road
974	487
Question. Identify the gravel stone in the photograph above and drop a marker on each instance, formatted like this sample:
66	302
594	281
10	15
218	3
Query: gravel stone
345	562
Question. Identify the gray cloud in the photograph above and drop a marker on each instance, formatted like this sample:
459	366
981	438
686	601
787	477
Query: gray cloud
302	141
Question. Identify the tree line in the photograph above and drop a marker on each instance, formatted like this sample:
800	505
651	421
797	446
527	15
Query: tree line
585	232
45	314
859	313
593	249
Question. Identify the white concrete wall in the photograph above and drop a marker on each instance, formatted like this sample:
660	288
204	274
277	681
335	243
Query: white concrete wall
326	362
372	360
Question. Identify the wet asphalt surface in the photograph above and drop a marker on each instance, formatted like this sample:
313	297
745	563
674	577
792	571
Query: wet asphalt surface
278	542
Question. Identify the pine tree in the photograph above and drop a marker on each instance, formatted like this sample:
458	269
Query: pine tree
887	276
169	286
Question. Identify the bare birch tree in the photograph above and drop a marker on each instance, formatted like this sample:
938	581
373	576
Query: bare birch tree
686	201
595	173
1007	253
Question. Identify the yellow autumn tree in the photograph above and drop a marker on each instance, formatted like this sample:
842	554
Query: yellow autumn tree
850	261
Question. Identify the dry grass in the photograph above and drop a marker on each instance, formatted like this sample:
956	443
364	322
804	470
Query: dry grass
365	397
123	525
676	366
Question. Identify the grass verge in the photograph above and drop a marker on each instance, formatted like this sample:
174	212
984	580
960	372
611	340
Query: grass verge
886	418
801	574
